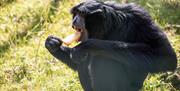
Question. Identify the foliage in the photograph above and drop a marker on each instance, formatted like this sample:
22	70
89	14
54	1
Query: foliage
25	64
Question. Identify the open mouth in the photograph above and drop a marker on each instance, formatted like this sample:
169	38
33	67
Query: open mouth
77	29
82	33
79	33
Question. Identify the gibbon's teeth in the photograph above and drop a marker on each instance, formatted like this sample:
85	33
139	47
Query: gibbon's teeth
77	29
71	38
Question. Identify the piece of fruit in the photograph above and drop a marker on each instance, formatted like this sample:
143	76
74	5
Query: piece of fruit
71	38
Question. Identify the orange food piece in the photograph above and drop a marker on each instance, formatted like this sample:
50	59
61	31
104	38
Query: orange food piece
71	38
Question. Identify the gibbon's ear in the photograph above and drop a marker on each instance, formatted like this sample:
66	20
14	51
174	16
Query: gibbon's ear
96	11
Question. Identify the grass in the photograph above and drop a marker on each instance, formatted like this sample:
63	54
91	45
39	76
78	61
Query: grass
26	65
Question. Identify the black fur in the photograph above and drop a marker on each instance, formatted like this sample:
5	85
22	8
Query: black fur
124	45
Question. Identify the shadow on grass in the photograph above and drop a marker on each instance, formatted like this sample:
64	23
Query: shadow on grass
54	4
12	40
4	48
18	37
170	13
34	28
3	3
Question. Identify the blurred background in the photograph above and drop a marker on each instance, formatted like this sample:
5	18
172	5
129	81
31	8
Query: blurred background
25	64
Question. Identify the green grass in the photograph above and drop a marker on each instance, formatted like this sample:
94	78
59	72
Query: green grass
26	65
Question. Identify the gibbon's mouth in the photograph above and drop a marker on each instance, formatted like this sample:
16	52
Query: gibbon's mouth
82	32
77	29
73	37
80	35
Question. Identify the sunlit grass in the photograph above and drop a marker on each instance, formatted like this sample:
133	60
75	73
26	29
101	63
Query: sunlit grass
25	64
